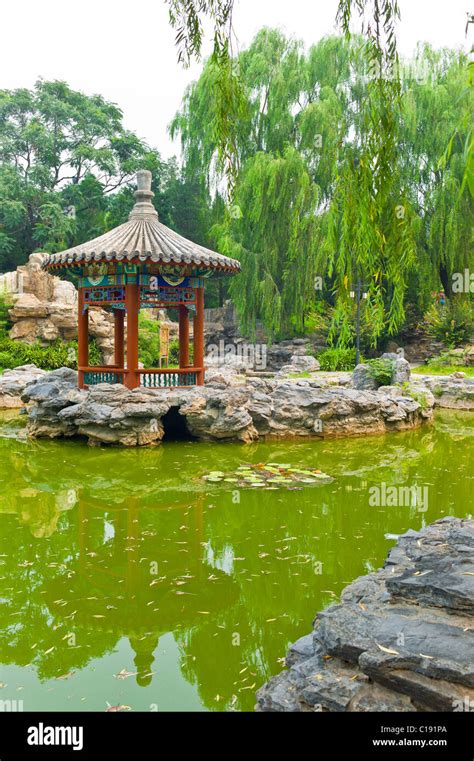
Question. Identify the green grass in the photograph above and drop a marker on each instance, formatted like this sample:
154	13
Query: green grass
302	374
443	370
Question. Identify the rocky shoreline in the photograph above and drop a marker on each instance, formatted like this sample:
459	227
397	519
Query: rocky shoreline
258	409
232	406
401	638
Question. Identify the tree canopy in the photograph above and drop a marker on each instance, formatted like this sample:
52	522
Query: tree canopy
67	166
319	194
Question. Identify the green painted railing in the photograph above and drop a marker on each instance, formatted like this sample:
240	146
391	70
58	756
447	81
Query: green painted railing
167	380
93	377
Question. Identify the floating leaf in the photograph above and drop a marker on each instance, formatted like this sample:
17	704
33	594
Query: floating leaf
124	674
387	650
270	475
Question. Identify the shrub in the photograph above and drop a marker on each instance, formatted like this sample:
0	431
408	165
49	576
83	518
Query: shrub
5	322
335	358
450	358
58	354
451	323
381	370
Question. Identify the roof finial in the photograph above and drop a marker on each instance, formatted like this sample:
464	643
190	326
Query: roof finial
143	195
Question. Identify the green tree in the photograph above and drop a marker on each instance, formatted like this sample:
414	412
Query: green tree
52	138
377	205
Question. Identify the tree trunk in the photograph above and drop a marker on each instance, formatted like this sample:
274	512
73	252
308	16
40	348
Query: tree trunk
445	280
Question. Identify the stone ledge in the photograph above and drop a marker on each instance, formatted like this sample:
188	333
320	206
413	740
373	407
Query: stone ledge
390	645
260	409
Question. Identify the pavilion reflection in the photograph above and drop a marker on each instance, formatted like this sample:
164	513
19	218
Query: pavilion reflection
133	576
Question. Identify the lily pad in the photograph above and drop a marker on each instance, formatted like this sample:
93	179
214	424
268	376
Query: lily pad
270	476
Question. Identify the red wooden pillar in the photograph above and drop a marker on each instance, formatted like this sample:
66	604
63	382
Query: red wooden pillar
183	336
82	337
119	337
198	328
132	379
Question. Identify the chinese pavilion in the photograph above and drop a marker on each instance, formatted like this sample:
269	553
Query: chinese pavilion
141	264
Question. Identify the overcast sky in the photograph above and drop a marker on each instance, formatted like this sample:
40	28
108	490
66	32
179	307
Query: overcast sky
125	50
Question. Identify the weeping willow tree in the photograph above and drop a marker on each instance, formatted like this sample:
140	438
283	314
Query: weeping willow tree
437	111
275	240
288	145
338	177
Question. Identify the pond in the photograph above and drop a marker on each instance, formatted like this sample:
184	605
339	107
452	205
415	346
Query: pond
126	579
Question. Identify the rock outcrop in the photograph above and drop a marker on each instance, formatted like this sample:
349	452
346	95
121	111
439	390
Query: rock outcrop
13	383
455	391
363	377
300	363
216	412
45	308
401	639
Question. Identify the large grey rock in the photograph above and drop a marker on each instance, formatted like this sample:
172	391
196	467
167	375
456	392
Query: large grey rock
13	382
362	379
407	628
300	363
261	408
401	372
450	391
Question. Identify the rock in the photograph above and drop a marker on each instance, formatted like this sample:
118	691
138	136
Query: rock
449	391
25	330
45	309
64	292
28	306
300	363
401	372
222	415
401	637
362	379
13	382
362	376
220	411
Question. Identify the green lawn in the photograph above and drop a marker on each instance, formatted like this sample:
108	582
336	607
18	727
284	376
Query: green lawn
443	370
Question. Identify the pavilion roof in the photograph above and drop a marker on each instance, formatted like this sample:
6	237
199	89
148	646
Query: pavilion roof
143	238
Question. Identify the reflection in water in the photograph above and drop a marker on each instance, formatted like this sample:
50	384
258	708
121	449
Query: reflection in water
125	578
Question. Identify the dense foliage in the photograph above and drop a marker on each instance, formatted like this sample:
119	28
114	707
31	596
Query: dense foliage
58	354
330	172
315	208
67	167
337	358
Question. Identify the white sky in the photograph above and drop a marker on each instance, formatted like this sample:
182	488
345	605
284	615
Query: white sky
125	50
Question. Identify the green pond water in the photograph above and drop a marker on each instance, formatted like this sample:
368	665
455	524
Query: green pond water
126	579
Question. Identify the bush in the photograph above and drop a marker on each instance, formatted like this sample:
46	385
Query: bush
58	354
449	358
452	323
5	322
381	370
335	358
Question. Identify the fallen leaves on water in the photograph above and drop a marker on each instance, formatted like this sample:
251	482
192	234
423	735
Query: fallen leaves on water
124	674
269	476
